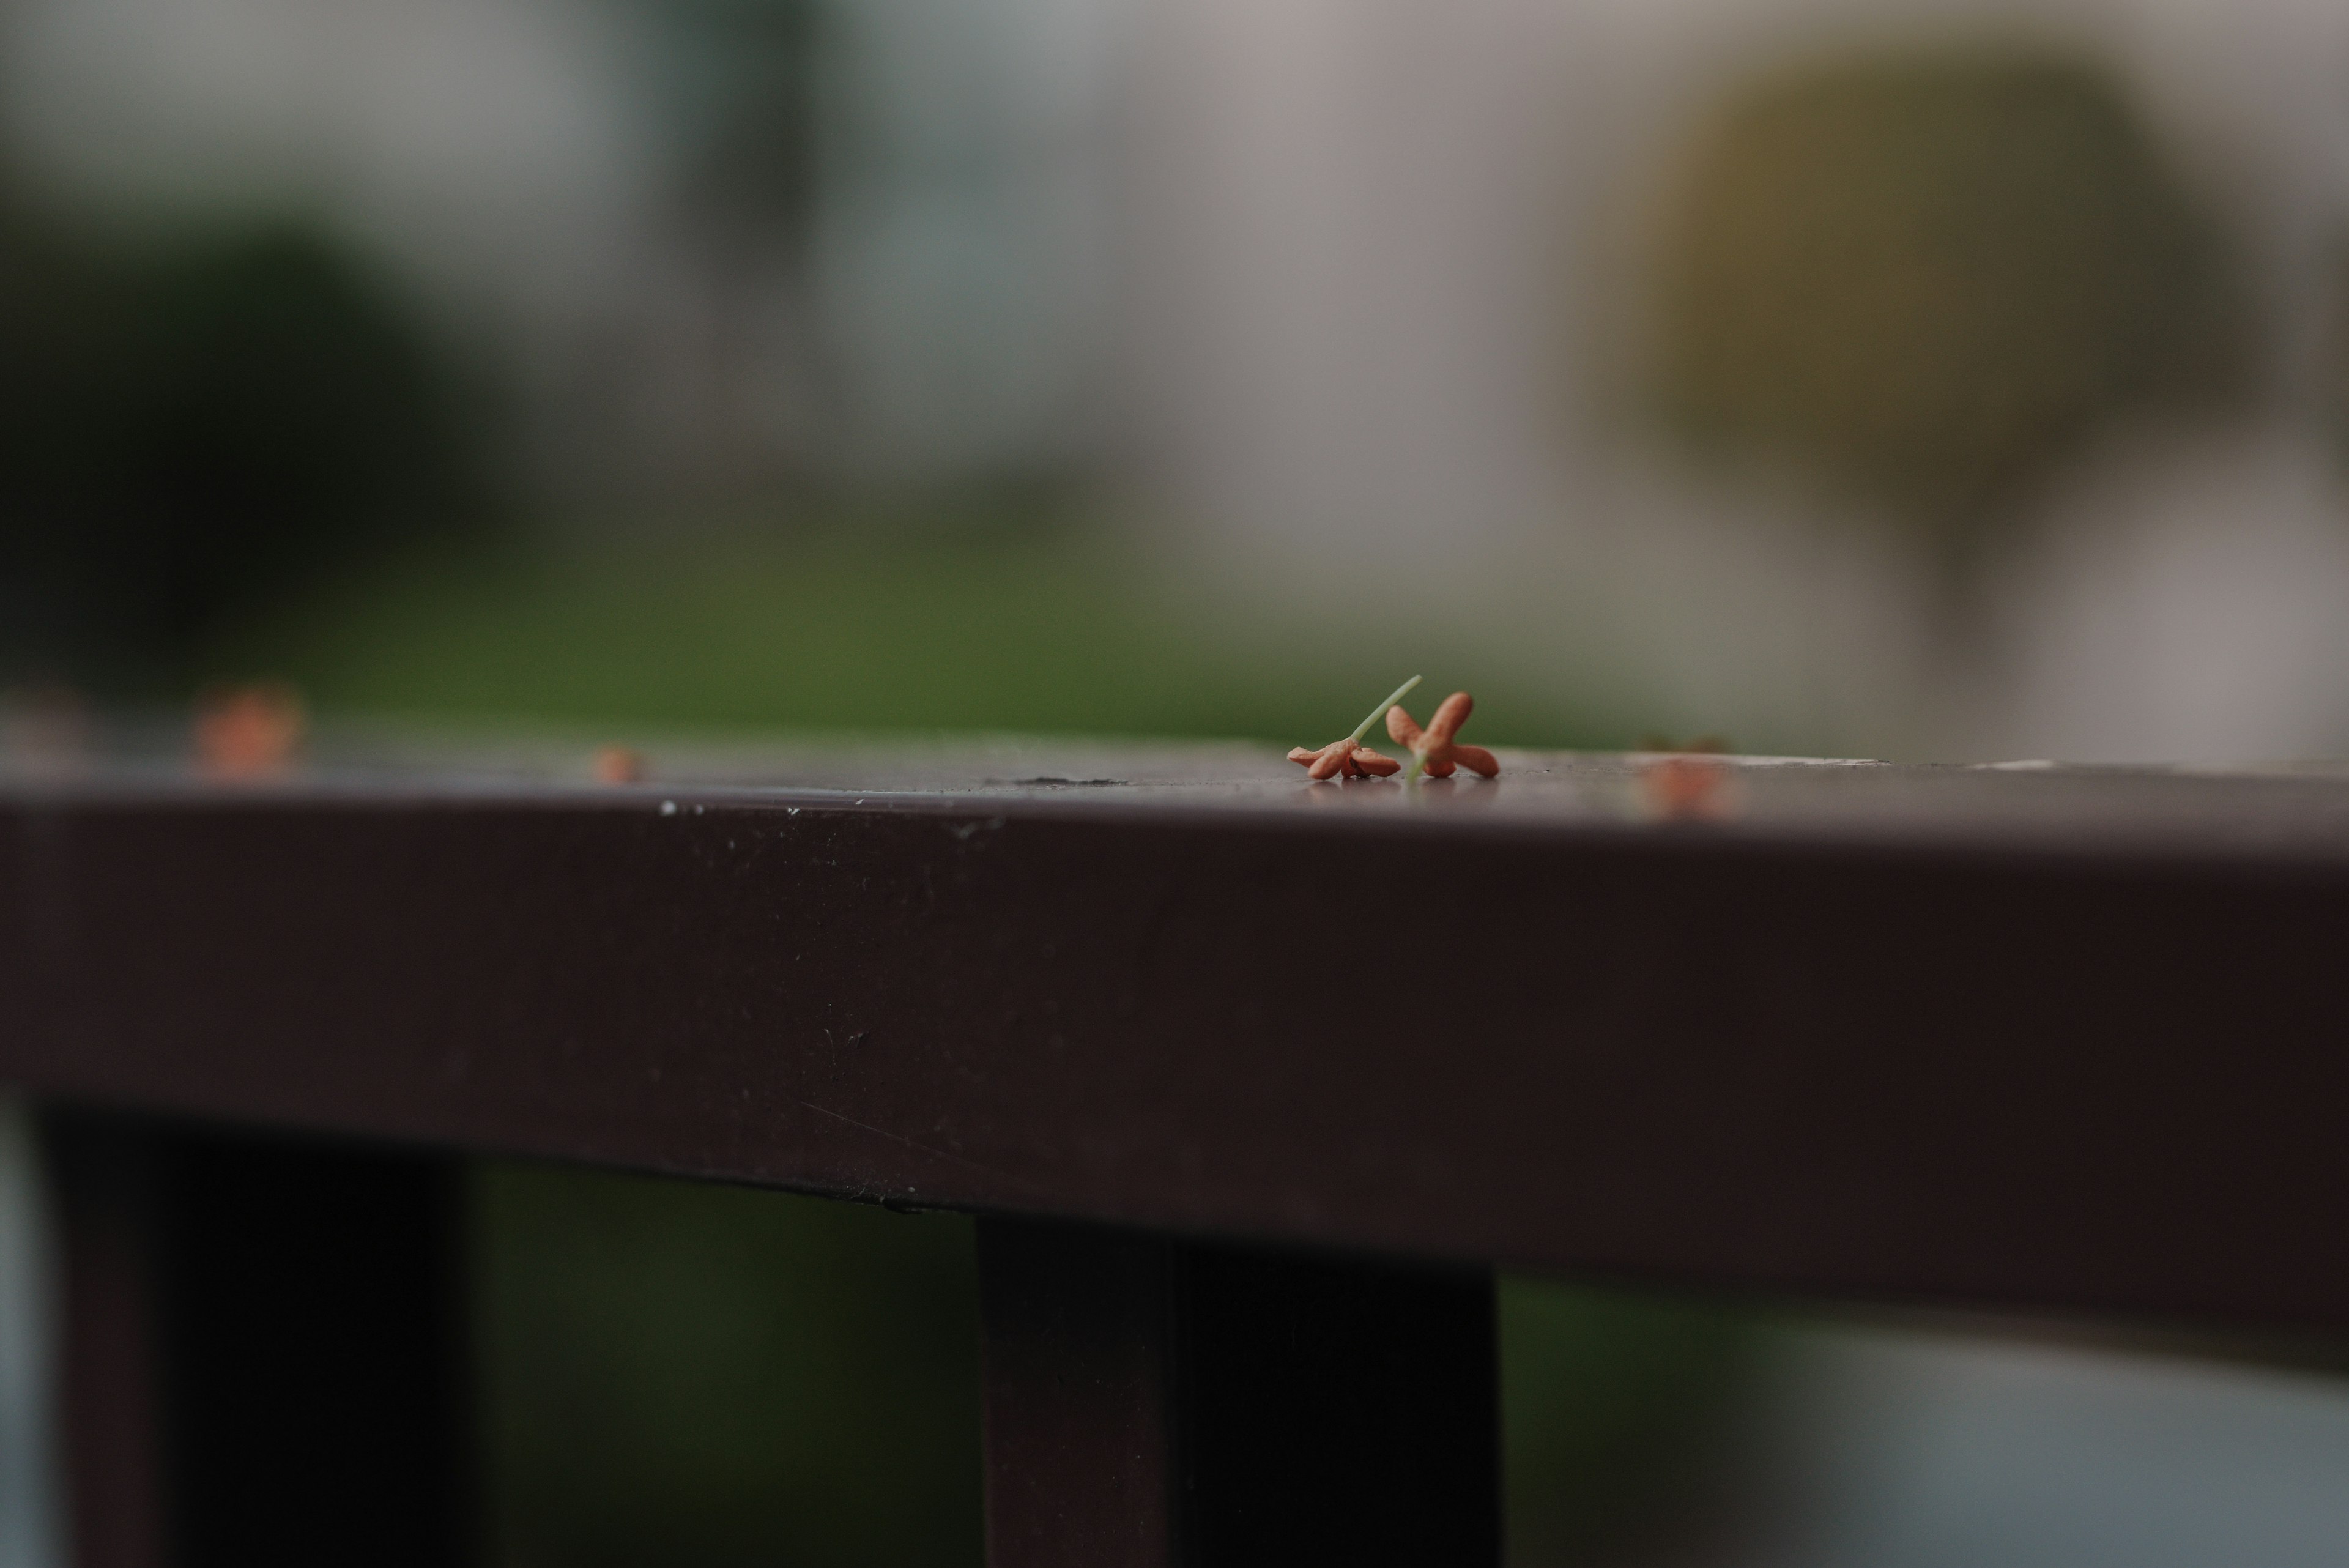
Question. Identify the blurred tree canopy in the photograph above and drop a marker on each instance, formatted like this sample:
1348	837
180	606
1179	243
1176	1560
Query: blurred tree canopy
188	428
1928	276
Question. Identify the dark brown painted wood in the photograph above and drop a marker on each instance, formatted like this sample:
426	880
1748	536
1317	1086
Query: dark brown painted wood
1080	1444
1152	1402
110	1396
2044	1040
264	1350
1337	1411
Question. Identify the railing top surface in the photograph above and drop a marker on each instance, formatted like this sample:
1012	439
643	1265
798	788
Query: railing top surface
2056	1038
2295	810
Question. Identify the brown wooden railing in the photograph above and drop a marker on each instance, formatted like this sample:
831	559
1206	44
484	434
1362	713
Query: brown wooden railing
1251	1082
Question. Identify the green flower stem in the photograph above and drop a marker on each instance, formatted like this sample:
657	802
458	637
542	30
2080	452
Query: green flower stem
1380	712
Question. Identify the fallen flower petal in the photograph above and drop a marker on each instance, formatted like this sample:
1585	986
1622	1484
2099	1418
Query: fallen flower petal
1686	788
1434	751
1350	758
618	765
248	731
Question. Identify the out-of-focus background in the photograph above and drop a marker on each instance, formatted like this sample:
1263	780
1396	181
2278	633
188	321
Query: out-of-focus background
1924	379
1928	379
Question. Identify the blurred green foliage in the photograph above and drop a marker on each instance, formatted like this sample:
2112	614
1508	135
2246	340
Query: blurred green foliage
973	623
1929	275
192	424
1616	1412
677	1373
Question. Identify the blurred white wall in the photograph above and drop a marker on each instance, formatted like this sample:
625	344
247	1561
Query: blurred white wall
1382	253
2184	600
1893	1450
963	269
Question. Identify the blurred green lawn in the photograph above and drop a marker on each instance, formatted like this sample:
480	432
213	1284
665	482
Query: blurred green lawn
978	628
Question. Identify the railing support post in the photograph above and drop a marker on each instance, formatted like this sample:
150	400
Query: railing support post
264	1350
1153	1403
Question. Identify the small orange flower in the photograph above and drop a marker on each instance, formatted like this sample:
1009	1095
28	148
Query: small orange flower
1686	788
618	765
1349	758
1433	750
249	732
